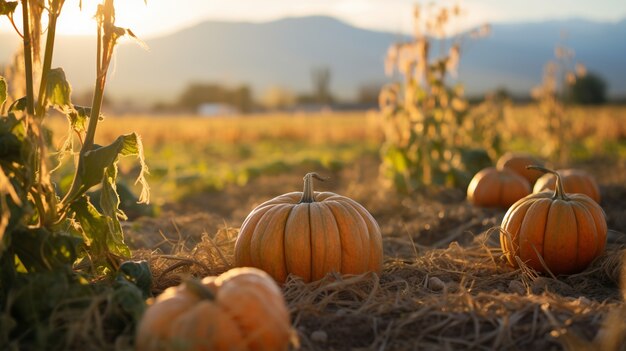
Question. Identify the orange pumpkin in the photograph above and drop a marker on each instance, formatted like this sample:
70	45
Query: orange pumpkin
494	188
242	309
567	231
310	234
574	181
517	162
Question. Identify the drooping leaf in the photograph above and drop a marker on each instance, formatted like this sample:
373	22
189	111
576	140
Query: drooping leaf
110	201
95	228
58	90
98	160
7	7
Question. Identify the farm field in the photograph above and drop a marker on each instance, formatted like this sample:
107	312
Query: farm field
444	283
362	176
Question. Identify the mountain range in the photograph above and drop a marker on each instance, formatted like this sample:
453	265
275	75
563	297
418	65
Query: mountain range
284	53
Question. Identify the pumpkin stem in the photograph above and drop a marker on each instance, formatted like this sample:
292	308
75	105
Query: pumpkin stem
307	193
559	193
196	287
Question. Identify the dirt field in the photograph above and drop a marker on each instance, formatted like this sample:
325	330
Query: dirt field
445	284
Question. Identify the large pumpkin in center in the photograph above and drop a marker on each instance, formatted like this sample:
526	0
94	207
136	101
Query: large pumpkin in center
310	234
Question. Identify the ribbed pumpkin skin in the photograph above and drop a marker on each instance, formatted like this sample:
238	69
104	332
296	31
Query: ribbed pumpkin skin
568	233
574	181
493	188
310	239
517	162
248	312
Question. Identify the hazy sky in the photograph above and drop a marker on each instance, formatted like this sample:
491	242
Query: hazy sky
164	16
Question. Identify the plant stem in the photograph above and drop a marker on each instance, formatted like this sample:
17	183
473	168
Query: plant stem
197	288
98	96
308	193
104	43
47	64
28	60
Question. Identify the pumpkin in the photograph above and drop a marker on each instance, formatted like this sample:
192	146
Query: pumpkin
242	309
496	188
310	234
517	162
573	180
556	231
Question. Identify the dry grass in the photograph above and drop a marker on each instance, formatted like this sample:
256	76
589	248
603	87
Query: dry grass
441	299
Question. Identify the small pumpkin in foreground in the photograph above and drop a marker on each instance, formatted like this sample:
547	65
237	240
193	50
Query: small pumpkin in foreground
573	180
517	162
496	188
310	234
242	309
566	231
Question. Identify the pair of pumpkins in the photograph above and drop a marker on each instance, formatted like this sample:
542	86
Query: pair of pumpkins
510	181
555	232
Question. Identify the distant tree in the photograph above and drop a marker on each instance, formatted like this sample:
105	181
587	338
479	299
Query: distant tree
321	84
241	98
589	89
502	94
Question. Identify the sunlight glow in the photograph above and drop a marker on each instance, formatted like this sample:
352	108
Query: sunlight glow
161	17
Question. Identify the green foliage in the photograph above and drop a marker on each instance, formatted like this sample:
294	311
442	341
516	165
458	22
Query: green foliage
53	251
60	310
428	124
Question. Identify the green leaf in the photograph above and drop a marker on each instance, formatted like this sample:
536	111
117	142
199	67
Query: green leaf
138	273
98	160
110	201
78	117
95	228
58	90
41	250
7	7
3	91
128	299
